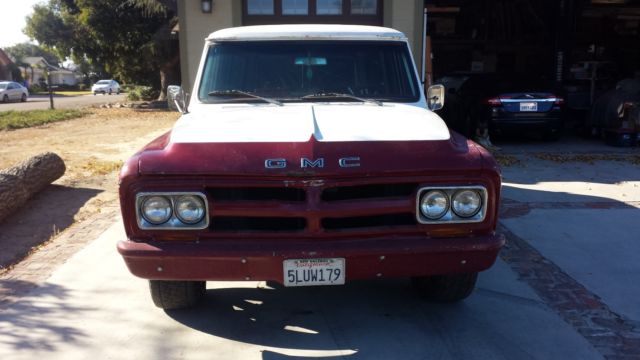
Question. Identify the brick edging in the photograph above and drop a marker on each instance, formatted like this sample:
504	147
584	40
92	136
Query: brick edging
38	266
611	334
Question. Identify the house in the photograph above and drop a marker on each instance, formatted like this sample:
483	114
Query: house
199	18
36	73
5	66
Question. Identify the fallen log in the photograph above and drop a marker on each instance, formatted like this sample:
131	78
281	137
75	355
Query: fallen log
21	182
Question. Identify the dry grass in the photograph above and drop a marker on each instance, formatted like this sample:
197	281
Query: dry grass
100	167
506	160
588	158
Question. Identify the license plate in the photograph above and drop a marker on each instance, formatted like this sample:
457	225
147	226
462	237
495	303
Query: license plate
312	272
528	106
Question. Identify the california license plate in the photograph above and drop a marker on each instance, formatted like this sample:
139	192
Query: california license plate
528	106
312	272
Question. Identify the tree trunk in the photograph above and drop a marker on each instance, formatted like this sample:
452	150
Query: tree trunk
169	75
21	182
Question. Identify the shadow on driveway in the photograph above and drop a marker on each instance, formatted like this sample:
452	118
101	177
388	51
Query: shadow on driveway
43	216
32	323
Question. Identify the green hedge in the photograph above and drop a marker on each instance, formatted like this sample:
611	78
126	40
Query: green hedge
145	93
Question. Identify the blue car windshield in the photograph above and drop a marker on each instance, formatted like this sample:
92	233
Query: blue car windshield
289	70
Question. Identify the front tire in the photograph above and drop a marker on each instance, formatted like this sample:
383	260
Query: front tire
23	98
169	295
445	288
5	99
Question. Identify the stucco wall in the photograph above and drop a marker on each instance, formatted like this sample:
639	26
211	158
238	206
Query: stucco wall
403	15
407	16
195	26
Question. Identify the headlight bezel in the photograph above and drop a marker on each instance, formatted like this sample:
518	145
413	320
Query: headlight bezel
450	217
174	222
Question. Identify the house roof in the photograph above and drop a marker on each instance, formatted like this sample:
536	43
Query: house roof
307	32
4	58
33	60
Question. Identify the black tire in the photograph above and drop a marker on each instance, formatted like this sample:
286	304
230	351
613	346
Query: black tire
445	288
5	99
170	295
95	93
109	91
23	98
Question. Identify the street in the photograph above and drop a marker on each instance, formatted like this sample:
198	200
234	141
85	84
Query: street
41	102
563	288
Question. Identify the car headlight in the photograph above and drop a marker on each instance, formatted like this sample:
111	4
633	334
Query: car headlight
434	204
466	203
156	209
189	209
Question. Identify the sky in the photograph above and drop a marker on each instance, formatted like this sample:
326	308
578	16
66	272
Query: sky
13	20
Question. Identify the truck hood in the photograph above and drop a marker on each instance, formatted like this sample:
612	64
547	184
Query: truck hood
299	122
238	140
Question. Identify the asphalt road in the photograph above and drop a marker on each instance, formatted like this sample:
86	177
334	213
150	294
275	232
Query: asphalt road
37	102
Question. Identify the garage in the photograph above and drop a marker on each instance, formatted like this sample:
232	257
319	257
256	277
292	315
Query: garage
581	50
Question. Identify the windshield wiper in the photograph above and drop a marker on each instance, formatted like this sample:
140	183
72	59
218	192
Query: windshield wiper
332	95
237	93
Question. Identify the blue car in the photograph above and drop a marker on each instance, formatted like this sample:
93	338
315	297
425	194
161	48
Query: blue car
503	105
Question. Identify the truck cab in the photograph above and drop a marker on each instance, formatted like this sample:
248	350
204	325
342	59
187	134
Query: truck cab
308	155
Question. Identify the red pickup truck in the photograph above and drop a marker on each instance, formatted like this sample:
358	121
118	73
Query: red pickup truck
309	155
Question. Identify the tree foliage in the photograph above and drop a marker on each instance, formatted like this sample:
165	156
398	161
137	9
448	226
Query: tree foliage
130	39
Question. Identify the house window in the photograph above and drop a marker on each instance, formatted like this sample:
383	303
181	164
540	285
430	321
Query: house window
295	7
260	7
364	7
329	7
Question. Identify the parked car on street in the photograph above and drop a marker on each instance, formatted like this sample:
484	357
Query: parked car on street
106	87
503	105
12	91
309	155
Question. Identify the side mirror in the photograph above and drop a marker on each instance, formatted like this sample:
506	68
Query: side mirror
435	97
177	98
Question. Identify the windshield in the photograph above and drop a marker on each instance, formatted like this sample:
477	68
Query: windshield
289	70
102	82
3	86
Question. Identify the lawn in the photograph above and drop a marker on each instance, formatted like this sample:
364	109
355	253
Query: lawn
10	120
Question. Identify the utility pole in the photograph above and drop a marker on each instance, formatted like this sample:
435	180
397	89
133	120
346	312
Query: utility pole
50	91
49	67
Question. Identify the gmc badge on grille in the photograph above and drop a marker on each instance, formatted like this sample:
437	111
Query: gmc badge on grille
345	162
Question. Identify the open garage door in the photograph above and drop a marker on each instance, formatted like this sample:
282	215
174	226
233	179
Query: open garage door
531	53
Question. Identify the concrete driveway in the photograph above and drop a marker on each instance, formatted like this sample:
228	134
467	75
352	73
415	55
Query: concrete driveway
565	287
41	102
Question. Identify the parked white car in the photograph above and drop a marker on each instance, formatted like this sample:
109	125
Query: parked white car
12	91
106	87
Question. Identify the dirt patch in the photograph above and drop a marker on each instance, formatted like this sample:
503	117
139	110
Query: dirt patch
93	148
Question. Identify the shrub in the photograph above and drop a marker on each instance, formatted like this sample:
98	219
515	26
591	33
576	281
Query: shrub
37	88
146	93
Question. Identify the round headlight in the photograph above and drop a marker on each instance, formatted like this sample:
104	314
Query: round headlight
190	209
156	209
466	203
434	204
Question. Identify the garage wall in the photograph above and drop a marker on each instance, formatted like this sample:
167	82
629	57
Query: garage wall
195	26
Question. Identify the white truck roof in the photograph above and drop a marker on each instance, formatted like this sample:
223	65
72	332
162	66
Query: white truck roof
307	32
